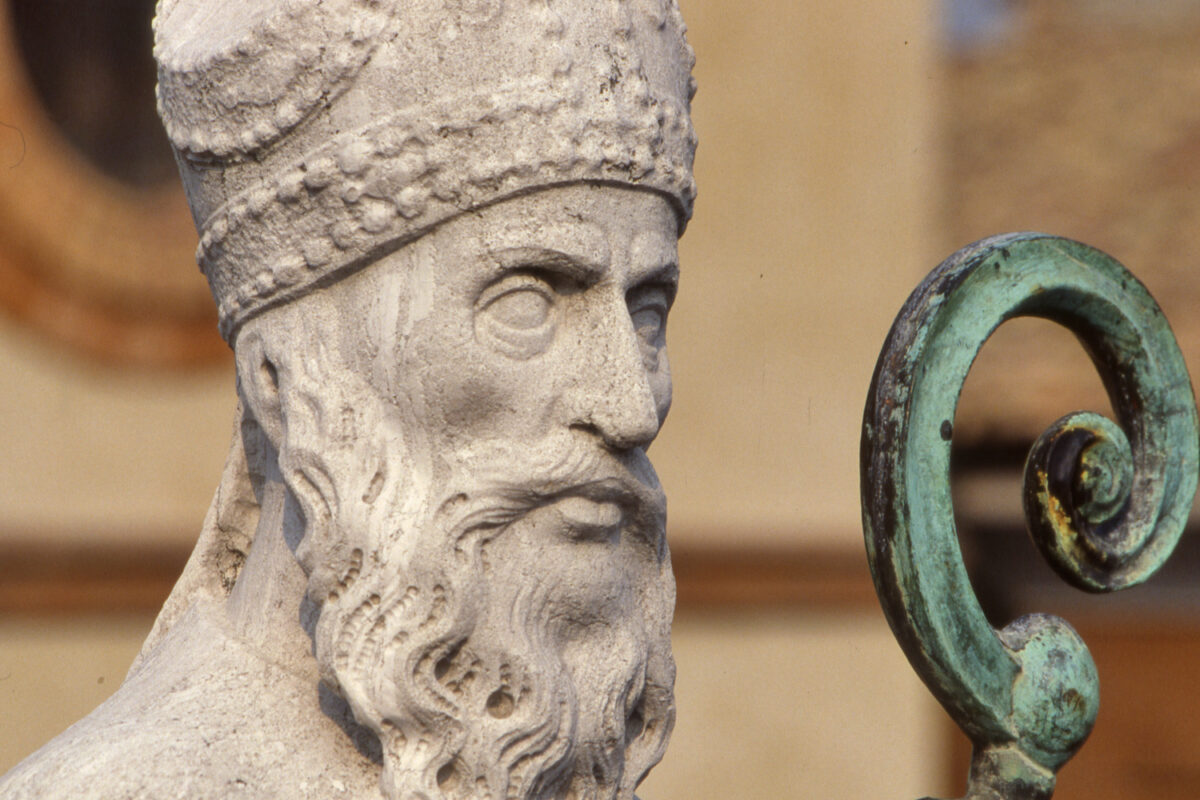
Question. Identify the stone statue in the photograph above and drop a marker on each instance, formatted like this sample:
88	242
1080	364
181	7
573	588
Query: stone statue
442	240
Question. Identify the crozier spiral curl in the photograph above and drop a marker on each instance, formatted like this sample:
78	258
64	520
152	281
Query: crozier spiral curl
1105	502
1078	487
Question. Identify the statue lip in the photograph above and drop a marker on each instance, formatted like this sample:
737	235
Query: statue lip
588	516
614	498
595	510
607	490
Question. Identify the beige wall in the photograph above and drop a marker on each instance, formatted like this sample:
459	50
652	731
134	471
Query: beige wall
816	177
94	453
798	705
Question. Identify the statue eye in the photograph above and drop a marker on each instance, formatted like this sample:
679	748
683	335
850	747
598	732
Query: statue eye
648	311
522	308
649	323
516	315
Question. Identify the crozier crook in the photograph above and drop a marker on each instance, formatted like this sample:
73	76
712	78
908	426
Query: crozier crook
1106	504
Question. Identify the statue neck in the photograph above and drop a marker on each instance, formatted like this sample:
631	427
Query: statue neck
266	607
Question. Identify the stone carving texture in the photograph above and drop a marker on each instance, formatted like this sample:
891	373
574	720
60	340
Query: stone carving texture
442	241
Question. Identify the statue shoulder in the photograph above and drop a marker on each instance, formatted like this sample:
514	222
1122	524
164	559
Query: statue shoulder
203	716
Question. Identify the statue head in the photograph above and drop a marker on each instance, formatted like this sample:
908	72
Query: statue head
442	242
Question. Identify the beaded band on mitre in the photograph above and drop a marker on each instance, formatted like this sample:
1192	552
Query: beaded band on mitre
585	91
378	187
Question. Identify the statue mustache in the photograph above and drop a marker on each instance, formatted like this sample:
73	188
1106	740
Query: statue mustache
517	481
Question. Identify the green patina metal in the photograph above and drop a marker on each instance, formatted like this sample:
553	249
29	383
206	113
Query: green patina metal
1105	503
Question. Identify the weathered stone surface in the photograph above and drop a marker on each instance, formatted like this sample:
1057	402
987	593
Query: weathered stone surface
442	241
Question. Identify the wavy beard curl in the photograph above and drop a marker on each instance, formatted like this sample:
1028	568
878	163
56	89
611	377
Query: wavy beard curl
464	679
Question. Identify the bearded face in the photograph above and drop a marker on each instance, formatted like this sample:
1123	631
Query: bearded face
484	533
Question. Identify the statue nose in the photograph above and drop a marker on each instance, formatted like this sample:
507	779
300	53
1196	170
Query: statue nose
613	395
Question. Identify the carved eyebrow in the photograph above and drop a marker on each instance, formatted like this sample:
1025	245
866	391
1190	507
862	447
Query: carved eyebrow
576	267
665	275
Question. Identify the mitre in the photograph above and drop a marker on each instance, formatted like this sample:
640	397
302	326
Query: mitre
314	136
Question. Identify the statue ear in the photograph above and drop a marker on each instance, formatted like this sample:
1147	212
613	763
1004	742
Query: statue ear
258	384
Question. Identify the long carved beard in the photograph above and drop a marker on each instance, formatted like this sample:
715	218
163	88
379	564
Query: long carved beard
486	670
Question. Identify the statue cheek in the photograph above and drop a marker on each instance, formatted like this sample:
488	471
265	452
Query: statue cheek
492	399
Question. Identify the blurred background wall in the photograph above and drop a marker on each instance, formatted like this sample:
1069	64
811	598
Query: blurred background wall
846	147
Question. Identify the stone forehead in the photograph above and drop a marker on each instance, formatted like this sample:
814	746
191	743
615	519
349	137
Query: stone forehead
313	134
